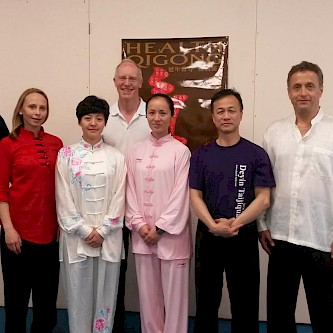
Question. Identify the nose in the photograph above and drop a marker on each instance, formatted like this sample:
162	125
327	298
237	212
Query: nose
156	116
226	115
303	90
93	121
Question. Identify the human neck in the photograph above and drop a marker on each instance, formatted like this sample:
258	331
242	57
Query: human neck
227	140
128	107
34	130
91	141
303	121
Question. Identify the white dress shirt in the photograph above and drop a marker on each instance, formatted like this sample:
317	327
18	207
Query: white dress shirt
301	211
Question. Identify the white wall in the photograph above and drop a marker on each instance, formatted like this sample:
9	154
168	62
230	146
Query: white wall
46	44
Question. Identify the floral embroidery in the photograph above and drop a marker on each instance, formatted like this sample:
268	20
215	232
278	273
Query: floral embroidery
114	221
102	323
77	165
76	161
66	152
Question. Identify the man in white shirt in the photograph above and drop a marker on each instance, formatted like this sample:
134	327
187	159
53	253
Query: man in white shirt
298	230
127	124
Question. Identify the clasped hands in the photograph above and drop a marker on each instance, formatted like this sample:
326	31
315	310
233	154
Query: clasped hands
94	239
225	227
149	234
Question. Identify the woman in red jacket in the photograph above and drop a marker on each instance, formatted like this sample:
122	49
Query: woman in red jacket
29	247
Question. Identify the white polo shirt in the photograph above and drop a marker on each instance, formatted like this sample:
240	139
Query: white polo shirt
121	135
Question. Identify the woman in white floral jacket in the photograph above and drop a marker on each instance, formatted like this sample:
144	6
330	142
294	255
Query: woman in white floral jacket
90	193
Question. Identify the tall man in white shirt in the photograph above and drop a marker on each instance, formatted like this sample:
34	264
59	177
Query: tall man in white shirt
298	230
127	124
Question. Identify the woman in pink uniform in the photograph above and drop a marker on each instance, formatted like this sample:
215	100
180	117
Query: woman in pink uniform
157	213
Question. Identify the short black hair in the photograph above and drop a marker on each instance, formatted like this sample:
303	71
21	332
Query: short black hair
93	104
223	93
306	66
167	99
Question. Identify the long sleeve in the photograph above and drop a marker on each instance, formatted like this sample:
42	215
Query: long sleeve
134	219
69	218
115	214
174	217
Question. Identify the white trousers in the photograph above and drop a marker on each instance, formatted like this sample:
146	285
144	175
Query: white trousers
163	291
91	288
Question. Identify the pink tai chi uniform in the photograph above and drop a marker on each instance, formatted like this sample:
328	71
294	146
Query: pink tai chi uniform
157	194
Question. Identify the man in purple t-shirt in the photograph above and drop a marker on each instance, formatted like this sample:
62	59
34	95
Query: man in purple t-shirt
230	181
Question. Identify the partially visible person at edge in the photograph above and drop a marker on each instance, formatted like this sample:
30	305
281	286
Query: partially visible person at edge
127	125
157	213
230	181
298	230
3	129
29	246
90	192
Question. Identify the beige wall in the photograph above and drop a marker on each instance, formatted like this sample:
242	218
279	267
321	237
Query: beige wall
46	44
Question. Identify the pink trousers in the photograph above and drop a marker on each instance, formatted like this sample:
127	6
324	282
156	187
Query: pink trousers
163	291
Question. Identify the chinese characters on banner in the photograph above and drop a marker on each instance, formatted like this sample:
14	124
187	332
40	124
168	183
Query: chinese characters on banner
189	70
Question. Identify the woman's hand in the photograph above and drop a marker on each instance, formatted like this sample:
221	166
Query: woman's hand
94	239
152	237
13	240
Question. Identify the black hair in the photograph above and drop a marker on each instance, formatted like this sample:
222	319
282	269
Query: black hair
93	104
223	93
167	99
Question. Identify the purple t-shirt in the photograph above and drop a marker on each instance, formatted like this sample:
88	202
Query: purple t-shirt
227	176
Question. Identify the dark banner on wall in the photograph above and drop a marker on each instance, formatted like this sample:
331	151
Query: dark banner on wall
189	70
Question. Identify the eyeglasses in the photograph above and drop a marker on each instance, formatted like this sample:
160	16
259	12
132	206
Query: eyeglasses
131	79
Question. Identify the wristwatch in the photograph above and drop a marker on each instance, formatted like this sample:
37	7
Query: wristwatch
159	231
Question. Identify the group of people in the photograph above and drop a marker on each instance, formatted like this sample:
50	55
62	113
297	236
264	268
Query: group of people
77	208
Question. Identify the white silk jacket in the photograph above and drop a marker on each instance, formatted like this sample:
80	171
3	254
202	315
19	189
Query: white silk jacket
90	194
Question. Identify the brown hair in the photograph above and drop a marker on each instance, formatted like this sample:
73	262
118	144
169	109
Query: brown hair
306	66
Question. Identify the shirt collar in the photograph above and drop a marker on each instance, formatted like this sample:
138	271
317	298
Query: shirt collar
319	116
160	141
29	134
90	147
140	111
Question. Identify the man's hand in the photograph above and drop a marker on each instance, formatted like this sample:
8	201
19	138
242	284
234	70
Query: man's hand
224	228
266	240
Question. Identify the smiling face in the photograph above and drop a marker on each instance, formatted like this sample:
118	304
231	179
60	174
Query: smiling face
34	111
92	125
159	116
227	114
128	81
304	92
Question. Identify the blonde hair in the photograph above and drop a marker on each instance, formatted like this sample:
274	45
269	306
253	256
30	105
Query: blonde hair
17	120
130	61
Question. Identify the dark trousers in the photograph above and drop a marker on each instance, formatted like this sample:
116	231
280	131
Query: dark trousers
287	264
36	271
119	318
238	257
